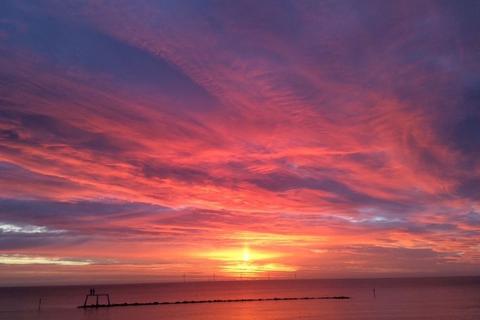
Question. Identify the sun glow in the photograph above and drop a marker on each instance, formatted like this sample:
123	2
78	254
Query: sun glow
246	254
246	262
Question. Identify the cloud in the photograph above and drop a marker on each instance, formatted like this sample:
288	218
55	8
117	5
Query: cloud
472	218
340	127
18	259
11	228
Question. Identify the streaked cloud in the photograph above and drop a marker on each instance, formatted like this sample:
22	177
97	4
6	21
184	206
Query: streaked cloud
156	135
20	259
12	228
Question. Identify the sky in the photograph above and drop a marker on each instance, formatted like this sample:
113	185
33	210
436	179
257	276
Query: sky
155	140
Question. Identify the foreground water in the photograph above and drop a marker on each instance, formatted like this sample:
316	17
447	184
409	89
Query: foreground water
428	298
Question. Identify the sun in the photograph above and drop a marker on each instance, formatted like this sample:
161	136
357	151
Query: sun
246	254
247	261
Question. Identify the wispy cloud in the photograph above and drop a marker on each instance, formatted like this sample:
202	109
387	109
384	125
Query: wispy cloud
301	128
21	259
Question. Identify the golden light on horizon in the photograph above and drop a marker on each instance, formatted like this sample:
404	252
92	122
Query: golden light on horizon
243	254
246	253
247	262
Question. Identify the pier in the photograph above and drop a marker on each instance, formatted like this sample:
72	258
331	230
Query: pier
96	296
135	304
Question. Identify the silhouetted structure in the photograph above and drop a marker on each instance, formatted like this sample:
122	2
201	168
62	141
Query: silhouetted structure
96	296
125	304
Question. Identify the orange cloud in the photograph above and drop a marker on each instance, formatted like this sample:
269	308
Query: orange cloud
157	140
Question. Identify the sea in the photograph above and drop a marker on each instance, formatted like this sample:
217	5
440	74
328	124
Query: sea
413	298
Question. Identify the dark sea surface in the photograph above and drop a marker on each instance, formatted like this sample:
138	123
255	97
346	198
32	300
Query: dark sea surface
425	298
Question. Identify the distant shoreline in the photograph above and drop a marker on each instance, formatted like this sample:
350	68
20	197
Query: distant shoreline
82	285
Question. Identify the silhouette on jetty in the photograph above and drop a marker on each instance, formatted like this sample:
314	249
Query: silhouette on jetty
97	296
125	304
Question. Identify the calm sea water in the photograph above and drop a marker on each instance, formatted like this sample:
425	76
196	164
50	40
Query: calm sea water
439	298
